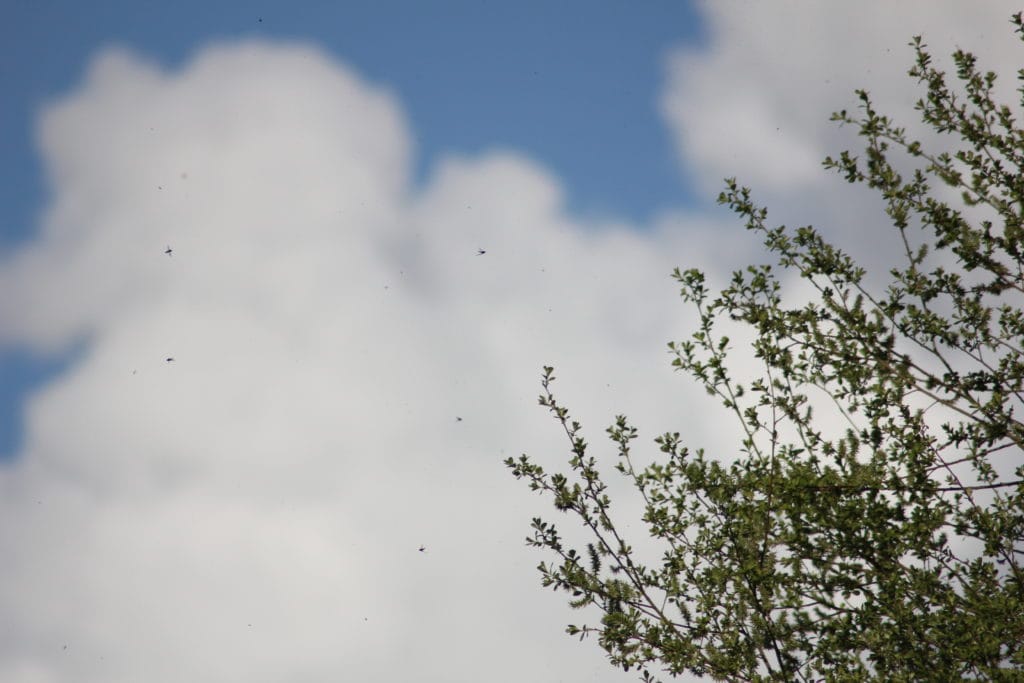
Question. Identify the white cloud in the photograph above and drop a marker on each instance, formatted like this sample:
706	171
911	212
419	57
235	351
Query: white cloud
252	509
756	102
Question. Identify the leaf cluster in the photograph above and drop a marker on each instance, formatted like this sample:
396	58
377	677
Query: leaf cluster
889	548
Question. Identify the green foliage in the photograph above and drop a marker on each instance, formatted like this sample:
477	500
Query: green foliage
891	548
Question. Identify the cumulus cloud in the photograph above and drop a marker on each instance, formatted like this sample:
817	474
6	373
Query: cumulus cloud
260	428
755	101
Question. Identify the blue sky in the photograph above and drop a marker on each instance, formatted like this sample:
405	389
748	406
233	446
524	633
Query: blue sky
384	219
572	84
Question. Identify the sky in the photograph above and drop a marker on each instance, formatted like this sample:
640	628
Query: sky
277	283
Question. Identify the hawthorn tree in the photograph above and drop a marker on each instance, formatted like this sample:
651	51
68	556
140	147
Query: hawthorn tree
890	548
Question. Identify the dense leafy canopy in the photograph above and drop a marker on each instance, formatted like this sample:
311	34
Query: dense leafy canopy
890	548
